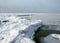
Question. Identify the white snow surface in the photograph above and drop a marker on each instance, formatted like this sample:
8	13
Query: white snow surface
18	30
52	38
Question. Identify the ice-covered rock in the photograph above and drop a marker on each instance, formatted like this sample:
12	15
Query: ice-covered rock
18	30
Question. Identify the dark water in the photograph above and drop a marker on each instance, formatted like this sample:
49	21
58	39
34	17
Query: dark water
46	30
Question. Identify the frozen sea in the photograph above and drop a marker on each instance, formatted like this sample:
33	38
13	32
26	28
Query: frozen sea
47	18
51	19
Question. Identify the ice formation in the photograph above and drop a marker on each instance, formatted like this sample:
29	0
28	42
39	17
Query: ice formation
52	38
17	30
57	36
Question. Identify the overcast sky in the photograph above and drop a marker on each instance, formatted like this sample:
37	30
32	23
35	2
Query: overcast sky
22	6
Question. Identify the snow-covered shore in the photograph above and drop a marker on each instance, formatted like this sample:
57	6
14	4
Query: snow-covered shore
18	30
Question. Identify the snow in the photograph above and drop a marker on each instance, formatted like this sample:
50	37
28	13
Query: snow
18	30
52	38
56	36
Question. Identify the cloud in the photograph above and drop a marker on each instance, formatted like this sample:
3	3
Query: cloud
50	6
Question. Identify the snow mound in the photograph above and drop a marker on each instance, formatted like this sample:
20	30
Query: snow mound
17	30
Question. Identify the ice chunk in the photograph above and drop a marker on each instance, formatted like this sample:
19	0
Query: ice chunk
53	38
9	36
56	36
26	40
18	30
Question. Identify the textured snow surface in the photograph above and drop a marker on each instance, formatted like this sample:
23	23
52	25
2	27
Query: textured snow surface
52	38
17	30
57	36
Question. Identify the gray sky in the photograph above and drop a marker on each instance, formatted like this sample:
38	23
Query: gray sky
22	6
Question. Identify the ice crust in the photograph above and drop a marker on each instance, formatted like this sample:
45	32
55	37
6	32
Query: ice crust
18	30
